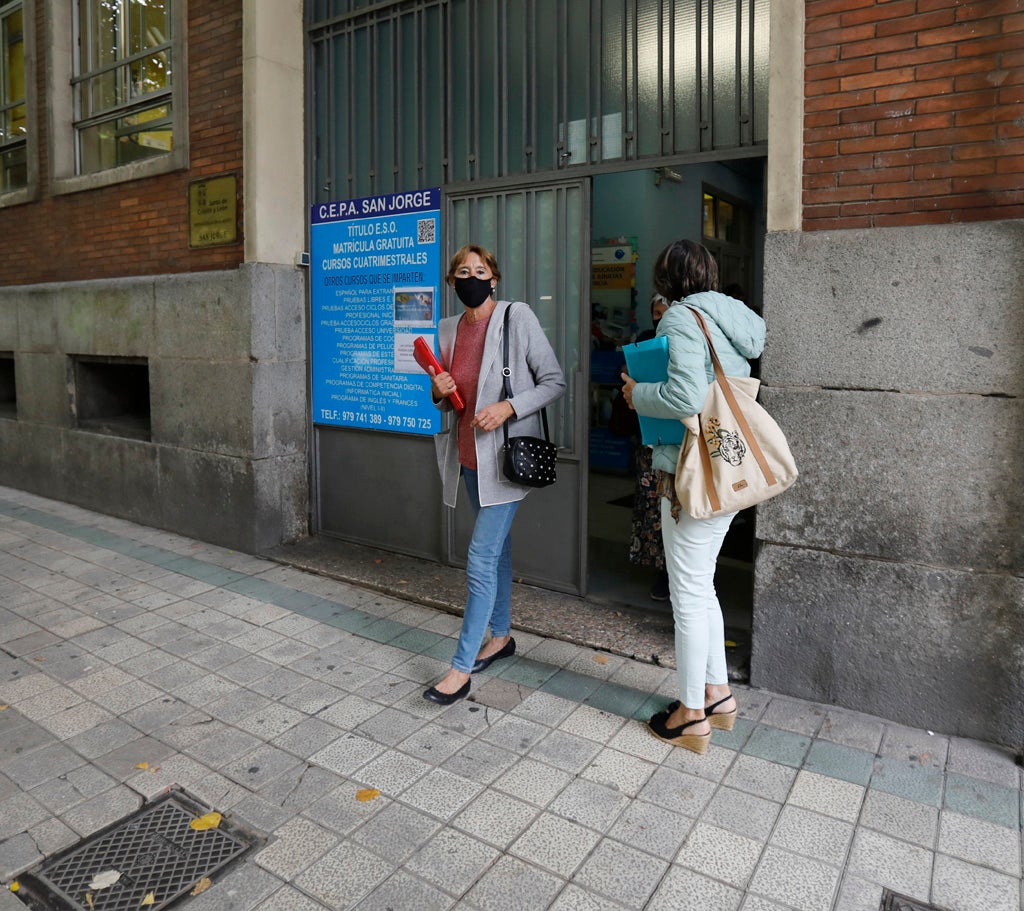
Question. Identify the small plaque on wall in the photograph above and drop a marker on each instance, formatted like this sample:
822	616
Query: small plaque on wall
213	211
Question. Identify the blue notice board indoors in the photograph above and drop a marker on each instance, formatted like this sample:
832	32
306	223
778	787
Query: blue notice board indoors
375	277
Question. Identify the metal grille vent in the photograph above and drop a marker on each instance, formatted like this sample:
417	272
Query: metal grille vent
893	902
155	851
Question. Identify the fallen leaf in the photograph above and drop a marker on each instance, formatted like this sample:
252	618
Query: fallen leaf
39	658
601	659
202	886
4	708
378	560
142	765
105	879
366	794
729	643
150	899
15	886
88	899
209	821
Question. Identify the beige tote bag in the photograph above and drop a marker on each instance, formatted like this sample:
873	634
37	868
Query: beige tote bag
734	455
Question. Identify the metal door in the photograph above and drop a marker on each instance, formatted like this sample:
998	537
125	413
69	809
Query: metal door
541	237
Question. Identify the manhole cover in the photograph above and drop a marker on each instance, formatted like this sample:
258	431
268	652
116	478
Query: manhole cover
153	852
893	902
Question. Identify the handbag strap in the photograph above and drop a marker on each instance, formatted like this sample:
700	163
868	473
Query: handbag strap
734	406
506	387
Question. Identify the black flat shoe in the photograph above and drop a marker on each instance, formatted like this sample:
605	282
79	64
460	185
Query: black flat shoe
435	695
506	651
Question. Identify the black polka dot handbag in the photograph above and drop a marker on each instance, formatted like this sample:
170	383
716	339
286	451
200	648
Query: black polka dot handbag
529	461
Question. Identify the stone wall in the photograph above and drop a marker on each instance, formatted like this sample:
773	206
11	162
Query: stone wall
226	456
890	578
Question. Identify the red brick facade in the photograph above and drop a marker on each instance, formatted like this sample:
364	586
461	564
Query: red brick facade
139	227
914	112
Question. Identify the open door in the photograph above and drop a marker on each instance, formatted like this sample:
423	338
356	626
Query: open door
540	236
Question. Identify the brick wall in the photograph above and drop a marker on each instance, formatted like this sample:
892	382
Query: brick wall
139	227
914	112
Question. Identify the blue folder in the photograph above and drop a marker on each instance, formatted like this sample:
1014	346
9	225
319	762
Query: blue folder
647	362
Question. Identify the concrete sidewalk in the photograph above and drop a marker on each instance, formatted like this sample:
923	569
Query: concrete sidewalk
133	660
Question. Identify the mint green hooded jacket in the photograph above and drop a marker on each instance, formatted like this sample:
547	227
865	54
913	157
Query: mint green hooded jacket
738	334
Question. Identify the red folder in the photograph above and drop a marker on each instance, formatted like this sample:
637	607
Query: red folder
425	357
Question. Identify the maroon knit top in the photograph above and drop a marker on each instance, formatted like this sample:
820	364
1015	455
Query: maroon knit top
465	370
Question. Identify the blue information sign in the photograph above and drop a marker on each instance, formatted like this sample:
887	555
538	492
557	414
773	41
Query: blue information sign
375	272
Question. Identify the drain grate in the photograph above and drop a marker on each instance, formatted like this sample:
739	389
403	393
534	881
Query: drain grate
154	851
893	902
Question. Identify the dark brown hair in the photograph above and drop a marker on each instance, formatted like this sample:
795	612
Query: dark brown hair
462	254
684	268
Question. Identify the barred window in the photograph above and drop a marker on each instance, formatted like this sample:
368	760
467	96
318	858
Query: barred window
13	110
123	83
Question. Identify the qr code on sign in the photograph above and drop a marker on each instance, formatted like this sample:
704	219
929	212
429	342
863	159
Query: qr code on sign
426	231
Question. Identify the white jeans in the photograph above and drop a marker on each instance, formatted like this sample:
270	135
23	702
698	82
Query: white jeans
691	551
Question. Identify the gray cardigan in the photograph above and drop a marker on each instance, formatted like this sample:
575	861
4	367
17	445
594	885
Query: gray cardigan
537	381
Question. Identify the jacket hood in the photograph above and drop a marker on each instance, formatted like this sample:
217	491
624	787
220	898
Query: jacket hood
736	321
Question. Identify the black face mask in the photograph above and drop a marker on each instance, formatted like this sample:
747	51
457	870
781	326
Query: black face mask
473	291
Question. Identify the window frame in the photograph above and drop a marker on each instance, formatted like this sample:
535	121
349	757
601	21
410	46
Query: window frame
63	64
30	190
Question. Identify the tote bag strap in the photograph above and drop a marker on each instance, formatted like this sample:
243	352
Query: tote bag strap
506	387
734	406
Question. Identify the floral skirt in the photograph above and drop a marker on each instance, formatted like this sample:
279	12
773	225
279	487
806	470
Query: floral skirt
645	547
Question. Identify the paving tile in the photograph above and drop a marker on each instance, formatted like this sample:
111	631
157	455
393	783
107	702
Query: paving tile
712	766
725	855
984	761
534	782
17	854
289	899
901	818
564	751
677	791
827	795
761	777
590	804
594	724
294	846
856	894
652	829
574	898
484	762
757	903
300	786
392	772
967	887
795	881
621	873
546	708
396	832
914	745
441	793
496	818
338	811
433	743
910	779
742	812
777	746
260	766
895	864
512	885
813	835
344	876
519	735
242	888
619	699
839	761
637	740
403	890
307	737
99	812
982	800
686	890
525	671
390	726
19	814
49	761
556	844
452	860
793	715
981	843
620	771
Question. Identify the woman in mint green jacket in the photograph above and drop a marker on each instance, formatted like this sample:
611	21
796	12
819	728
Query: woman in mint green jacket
686	274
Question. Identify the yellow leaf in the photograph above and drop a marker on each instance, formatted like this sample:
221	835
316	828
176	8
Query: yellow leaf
729	643
202	886
4	708
150	899
601	659
142	765
209	821
15	886
88	899
367	794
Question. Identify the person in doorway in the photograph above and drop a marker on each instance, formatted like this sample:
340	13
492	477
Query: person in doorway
471	344
645	546
686	274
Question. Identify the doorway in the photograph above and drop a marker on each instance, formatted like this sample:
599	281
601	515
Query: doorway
634	214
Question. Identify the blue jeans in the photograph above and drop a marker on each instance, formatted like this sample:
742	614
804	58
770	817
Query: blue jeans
489	574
